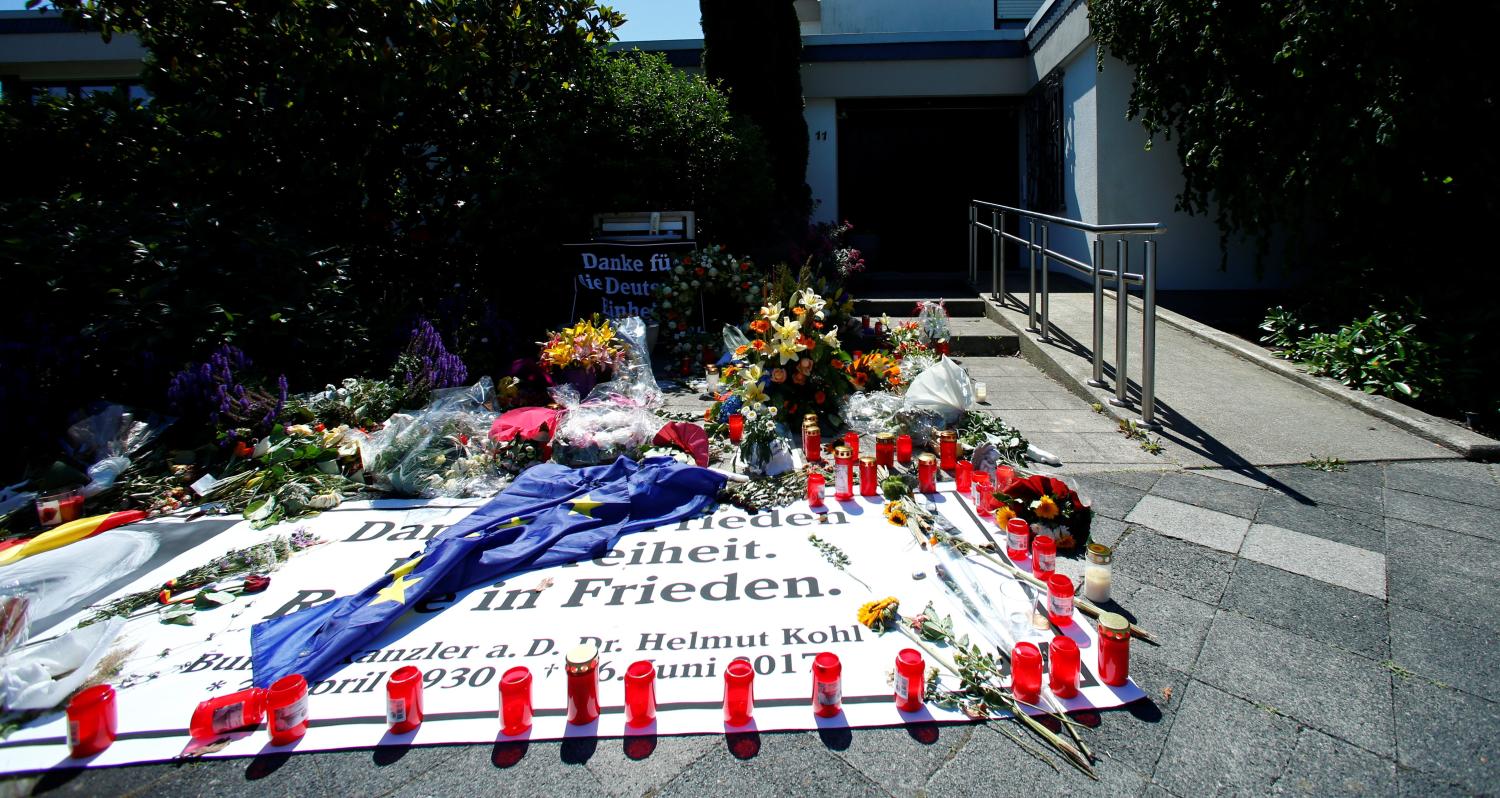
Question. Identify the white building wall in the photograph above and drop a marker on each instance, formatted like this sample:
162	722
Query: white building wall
1080	154
894	16
821	114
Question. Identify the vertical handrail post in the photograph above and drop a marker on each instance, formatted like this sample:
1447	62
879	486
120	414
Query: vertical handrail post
1122	323
1046	297
994	252
1148	340
1031	292
973	239
1000	242
1098	337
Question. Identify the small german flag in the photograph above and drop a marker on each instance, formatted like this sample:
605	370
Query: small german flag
67	533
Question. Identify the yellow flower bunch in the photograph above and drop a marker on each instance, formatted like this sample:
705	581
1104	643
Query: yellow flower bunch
877	614
591	343
895	514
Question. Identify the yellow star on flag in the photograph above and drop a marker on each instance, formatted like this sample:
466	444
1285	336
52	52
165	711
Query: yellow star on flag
584	505
396	590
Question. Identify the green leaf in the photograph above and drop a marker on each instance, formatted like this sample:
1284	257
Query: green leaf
261	509
214	598
1402	387
180	614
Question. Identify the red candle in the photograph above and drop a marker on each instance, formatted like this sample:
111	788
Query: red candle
640	694
885	449
739	692
1065	663
981	496
815	489
225	713
812	442
736	427
851	439
1043	557
947	449
963	476
911	680
903	448
1060	599
92	720
515	700
843	474
286	703
1004	476
868	481
1026	673
1017	539
403	699
582	665
927	473
828	685
1114	649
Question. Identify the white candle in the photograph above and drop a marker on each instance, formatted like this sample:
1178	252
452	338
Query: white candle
981	392
1096	581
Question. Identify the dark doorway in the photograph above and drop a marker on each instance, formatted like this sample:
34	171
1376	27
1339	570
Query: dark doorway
908	168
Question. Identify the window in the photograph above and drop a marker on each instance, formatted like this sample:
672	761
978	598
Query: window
1044	147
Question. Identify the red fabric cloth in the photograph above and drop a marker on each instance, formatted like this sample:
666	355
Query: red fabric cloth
686	436
530	423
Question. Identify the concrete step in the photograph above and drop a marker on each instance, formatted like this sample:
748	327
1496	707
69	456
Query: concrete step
875	307
977	337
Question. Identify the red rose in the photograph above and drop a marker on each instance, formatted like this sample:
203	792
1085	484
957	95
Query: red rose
255	583
319	427
164	597
242	449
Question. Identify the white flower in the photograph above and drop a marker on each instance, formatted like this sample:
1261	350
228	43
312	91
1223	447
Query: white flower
324	501
439	460
261	447
832	337
750	415
300	429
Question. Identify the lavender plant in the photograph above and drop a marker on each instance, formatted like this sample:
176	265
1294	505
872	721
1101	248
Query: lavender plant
217	391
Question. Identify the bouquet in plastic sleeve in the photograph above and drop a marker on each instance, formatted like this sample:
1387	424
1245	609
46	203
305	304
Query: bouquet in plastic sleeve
944	389
600	430
441	450
107	439
582	355
932	325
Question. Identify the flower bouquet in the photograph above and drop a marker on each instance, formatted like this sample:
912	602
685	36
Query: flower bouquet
1050	506
582	355
874	371
792	361
705	289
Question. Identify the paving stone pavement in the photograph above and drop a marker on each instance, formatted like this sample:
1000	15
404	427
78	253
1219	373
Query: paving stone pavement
1323	634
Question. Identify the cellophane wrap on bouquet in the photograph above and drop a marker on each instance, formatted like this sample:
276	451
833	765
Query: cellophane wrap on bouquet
872	413
944	389
107	439
932	322
442	450
617	418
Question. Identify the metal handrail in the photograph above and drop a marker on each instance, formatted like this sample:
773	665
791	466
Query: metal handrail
1121	275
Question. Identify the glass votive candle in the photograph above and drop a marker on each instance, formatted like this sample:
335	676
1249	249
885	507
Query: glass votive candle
910	680
1096	572
1017	539
736	427
739	692
403	699
903	448
815	489
1060	599
1065	661
515	700
1043	557
885	449
851	439
711	378
582	666
927	466
59	508
981	392
1114	649
92	719
640	694
947	449
963	476
868	480
286	704
828	685
1026	673
981	497
1004	476
225	713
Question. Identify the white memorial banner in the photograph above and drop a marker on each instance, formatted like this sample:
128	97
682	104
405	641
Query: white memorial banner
689	597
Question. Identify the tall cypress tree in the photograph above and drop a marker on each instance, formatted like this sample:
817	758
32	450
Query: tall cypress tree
753	49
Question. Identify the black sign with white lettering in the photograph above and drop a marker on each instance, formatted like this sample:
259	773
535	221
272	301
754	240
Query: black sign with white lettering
616	279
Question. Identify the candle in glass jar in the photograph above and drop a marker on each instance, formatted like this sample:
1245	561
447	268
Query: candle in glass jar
812	442
92	721
711	378
885	449
828	685
903	449
515	700
286	703
910	680
226	713
947	450
868	481
640	694
1096	572
739	692
582	665
1065	660
851	439
736	427
1004	476
1043	557
1114	649
843	474
981	488
981	392
963	476
1026	672
1060	599
814	489
1017	539
927	473
403	700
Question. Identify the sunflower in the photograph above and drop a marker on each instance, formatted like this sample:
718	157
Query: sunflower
1045	508
895	514
878	614
1003	514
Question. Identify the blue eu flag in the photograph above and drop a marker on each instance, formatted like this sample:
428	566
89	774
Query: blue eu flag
551	515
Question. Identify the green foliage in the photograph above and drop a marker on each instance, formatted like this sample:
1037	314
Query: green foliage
753	52
1381	353
309	178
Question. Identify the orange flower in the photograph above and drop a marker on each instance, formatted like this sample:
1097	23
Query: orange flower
1045	508
799	310
740	351
861	379
758	345
760	326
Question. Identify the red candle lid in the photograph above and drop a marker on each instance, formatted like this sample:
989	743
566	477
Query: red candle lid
1044	545
641	669
827	665
1018	526
1064	645
1060	585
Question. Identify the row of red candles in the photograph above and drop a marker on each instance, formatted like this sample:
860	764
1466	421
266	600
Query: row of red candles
92	716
